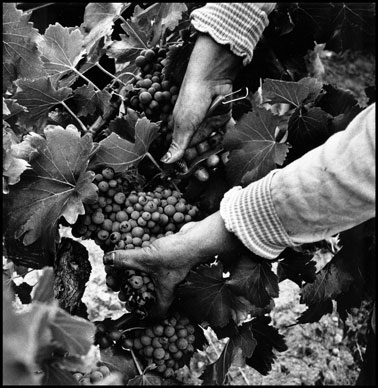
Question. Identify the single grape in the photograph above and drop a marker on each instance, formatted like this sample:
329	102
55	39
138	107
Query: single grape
159	353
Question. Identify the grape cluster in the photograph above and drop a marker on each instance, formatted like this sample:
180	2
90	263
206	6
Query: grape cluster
106	337
135	289
212	162
168	344
152	93
124	218
94	376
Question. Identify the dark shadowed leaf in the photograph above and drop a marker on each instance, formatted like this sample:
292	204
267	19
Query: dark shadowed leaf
38	96
177	61
157	18
316	311
268	339
124	127
21	58
53	375
206	297
253	149
255	280
296	266
119	153
333	279
337	101
56	186
88	100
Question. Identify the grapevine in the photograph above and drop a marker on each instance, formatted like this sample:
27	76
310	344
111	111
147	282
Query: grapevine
87	115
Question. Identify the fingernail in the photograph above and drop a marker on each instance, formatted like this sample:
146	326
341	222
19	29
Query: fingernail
109	258
166	157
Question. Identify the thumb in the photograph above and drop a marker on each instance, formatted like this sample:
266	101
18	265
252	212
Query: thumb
127	259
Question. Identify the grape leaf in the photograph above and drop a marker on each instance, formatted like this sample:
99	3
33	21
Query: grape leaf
124	127
206	296
307	129
337	101
242	336
44	290
316	311
56	186
254	280
253	149
267	338
38	96
294	93
119	153
177	61
13	164
88	100
11	108
20	343
147	378
296	266
352	265
21	58
73	333
53	375
61	49
125	51
215	373
98	23
161	16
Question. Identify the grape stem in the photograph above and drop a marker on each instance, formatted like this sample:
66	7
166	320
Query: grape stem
84	128
110	74
136	362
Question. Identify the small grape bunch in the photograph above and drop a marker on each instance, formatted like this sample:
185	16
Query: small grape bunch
152	93
135	288
94	376
168	344
106	337
212	162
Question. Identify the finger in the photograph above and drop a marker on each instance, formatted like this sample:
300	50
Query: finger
130	259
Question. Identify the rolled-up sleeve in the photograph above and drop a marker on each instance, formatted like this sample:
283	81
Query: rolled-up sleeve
326	191
239	25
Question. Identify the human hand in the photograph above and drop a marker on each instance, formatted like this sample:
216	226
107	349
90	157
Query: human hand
211	71
169	259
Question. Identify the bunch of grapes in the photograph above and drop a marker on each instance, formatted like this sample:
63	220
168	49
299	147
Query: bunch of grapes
168	344
135	289
152	93
212	161
106	337
94	376
124	218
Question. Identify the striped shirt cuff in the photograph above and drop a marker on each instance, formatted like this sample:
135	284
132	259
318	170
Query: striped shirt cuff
249	213
239	25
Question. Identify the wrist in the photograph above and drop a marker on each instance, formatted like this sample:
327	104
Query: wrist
212	62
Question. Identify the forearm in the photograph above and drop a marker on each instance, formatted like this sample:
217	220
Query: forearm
239	26
328	190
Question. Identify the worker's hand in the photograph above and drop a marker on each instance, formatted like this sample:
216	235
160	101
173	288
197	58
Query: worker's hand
169	259
211	71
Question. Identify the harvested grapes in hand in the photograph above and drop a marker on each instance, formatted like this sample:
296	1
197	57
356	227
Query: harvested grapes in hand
126	218
136	289
168	344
